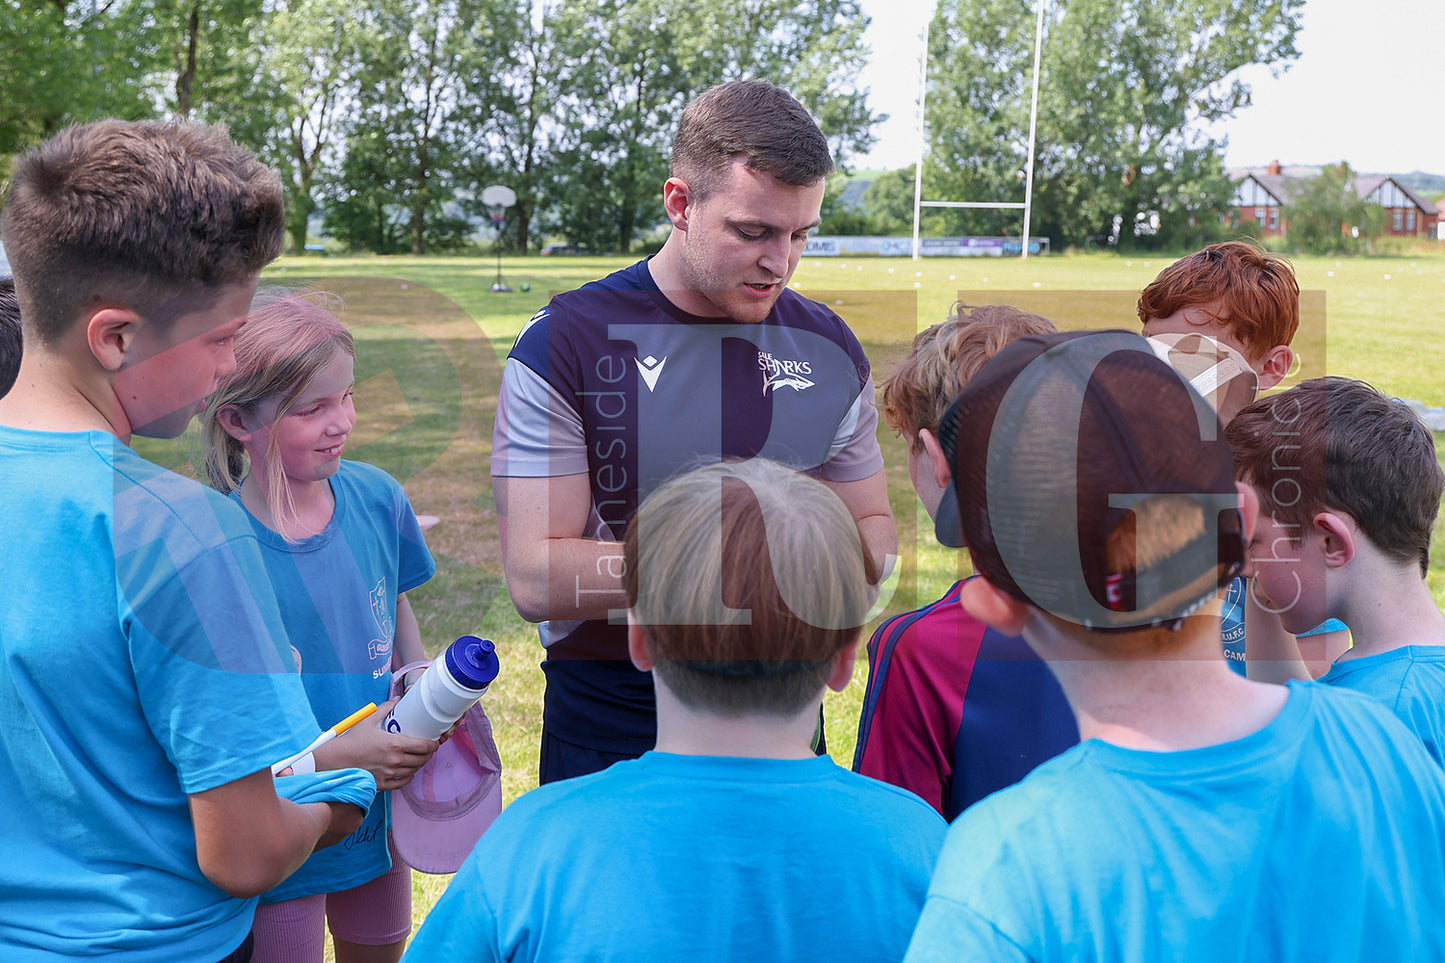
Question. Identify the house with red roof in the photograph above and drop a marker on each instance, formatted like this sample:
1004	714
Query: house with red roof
1262	198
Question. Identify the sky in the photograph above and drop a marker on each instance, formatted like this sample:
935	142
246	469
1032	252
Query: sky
1365	89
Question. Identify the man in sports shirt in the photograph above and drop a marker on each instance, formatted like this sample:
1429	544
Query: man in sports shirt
696	355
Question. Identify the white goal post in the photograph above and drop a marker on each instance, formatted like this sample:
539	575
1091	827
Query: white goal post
1027	206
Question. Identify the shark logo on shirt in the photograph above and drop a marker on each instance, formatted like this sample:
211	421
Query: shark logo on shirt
779	373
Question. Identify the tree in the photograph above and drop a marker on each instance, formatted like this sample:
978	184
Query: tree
205	54
309	53
1328	216
69	63
406	123
632	65
510	98
1124	90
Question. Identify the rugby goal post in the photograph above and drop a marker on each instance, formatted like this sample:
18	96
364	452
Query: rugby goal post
1027	206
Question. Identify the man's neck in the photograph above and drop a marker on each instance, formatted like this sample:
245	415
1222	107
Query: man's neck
1185	699
666	269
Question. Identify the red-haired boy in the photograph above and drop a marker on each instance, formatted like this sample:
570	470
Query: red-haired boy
1247	300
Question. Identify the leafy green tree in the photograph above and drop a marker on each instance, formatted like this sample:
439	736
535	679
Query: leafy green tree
836	217
1125	88
70	62
889	201
207	63
309	54
1328	216
630	66
405	123
508	113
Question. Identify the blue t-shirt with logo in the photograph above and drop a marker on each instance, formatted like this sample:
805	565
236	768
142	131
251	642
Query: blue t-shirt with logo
337	591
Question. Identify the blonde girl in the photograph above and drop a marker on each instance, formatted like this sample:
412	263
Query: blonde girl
341	545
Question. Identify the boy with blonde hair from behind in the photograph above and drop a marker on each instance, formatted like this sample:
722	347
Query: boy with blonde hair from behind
731	840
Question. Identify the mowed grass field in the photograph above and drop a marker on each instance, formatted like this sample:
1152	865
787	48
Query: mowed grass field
431	340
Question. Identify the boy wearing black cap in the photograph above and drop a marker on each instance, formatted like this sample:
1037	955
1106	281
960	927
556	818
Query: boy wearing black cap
1095	491
954	710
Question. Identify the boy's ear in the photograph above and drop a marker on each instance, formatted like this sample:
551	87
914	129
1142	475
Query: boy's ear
229	417
942	471
676	199
1337	538
111	335
637	646
843	663
1248	509
993	607
1277	361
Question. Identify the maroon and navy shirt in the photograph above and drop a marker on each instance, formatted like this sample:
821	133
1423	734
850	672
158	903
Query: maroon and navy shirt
956	710
615	381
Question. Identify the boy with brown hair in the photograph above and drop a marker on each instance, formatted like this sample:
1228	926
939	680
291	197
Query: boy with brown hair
954	710
1349	488
1097	497
731	840
147	691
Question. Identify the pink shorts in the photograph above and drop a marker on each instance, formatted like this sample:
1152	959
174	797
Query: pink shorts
376	913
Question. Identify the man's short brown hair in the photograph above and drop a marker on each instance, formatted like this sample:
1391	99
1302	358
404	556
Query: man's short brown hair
132	213
942	360
755	536
755	122
1254	293
1336	444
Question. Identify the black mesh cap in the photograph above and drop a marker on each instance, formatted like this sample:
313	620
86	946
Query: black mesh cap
1051	445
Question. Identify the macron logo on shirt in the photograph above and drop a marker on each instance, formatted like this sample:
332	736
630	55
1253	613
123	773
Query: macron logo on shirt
650	368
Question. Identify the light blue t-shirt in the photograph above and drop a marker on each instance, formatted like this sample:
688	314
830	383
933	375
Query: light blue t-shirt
1231	625
1410	681
1318	837
672	857
143	660
337	591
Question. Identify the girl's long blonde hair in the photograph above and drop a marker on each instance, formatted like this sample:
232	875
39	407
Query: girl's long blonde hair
287	340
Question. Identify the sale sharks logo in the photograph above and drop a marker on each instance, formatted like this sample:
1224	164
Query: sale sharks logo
781	373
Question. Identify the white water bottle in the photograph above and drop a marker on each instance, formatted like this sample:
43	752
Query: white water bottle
446	690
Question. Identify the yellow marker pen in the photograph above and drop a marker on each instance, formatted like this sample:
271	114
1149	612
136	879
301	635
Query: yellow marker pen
326	736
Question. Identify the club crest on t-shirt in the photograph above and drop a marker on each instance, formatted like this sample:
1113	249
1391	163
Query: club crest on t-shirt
781	373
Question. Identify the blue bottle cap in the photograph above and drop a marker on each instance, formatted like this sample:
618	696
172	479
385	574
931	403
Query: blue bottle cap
473	661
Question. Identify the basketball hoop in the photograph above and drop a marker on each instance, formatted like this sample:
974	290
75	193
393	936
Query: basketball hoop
498	198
